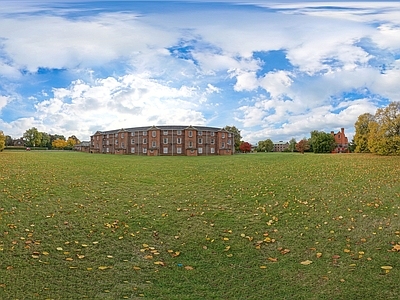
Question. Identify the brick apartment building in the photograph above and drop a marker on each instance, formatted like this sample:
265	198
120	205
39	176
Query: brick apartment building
280	146
164	140
342	143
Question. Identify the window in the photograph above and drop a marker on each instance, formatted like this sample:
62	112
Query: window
222	145
212	133
200	133
190	133
179	150
229	134
200	141
144	150
212	141
144	132
179	140
165	132
165	140
212	150
190	144
153	144
108	150
116	142
97	137
165	150
200	150
153	133
116	135
132	141
223	135
144	141
108	135
122	145
179	132
133	150
132	134
122	135
229	142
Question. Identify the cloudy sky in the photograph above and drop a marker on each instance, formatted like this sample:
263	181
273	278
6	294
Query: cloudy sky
273	69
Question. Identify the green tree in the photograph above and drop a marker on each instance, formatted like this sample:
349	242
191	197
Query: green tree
292	145
322	142
236	135
384	131
45	141
9	141
362	127
265	146
33	137
2	141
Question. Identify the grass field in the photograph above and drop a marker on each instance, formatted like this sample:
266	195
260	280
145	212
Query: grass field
255	226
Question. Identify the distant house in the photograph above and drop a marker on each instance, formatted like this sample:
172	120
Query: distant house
281	146
342	143
82	146
18	142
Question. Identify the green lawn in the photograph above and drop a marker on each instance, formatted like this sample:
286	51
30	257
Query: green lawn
255	226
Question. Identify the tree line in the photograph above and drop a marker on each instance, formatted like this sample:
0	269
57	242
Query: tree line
34	138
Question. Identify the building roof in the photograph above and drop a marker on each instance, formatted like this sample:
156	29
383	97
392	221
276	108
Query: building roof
161	127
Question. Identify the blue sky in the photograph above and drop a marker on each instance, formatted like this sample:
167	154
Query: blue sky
273	69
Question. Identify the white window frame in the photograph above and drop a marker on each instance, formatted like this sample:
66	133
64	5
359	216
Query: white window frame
165	132
179	150
179	140
200	150
144	150
153	133
190	144
190	133
165	150
153	144
133	150
144	141
212	150
179	132
165	141
200	141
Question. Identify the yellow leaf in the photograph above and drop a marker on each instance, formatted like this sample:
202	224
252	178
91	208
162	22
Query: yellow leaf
227	248
136	268
45	253
80	256
69	259
229	255
59	248
263	267
319	254
145	245
306	262
109	256
189	268
159	263
273	259
226	239
35	256
346	250
103	268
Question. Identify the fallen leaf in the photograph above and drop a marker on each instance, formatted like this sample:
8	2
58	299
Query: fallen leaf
136	268
189	268
263	267
306	262
273	259
319	254
103	268
159	263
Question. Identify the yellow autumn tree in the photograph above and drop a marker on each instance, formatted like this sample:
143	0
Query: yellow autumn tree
2	141
384	131
362	128
59	144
